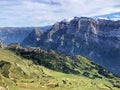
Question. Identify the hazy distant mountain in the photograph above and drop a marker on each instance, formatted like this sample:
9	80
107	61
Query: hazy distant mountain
9	34
111	16
98	40
17	34
46	27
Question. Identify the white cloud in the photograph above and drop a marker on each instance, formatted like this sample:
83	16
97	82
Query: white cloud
43	12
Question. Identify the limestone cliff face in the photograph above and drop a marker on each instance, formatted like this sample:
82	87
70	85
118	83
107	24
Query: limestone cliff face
96	39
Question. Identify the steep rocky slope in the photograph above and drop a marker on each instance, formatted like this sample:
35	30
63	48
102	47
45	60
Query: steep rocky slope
33	37
97	39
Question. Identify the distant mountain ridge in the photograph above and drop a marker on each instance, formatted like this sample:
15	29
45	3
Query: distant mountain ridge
111	16
9	34
97	39
17	34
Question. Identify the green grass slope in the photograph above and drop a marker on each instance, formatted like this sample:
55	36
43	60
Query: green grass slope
48	70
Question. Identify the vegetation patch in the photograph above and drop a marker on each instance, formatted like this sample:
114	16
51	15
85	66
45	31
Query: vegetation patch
4	68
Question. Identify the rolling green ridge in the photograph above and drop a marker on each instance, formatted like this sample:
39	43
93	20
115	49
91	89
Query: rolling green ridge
48	70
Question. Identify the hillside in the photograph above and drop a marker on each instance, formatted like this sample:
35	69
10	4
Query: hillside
18	73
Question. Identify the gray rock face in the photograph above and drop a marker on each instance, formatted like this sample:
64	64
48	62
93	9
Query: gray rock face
33	37
98	40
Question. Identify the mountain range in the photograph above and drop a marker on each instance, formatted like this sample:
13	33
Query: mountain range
97	39
80	54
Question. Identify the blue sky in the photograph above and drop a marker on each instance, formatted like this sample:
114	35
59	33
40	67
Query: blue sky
19	13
